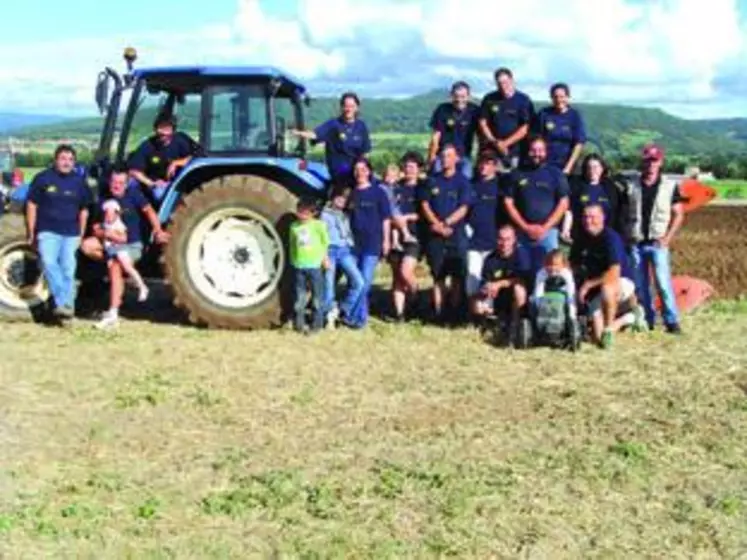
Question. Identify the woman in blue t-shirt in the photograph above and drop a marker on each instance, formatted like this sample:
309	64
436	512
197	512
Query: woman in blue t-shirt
346	139
563	128
370	222
594	188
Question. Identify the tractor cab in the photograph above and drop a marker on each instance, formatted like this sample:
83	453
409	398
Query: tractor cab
231	111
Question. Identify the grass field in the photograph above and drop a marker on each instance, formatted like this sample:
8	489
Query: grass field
730	188
165	441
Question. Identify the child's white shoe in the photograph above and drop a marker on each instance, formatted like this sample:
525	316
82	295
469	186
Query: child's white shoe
143	293
108	321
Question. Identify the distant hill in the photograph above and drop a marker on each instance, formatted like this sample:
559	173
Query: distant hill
619	129
11	122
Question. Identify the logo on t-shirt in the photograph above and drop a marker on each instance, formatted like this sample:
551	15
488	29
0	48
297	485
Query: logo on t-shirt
51	188
523	182
550	125
497	274
434	191
495	108
342	136
155	159
304	237
450	123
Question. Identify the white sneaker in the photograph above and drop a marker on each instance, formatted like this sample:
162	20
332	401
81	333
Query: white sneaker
108	321
332	316
143	294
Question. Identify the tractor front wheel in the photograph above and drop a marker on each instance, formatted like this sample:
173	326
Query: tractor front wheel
227	257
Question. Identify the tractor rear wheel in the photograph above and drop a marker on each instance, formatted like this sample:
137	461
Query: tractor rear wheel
227	260
23	291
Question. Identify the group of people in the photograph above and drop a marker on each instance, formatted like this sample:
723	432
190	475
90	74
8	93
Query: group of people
496	235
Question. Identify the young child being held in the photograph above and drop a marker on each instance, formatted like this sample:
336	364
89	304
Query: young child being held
117	249
556	276
400	232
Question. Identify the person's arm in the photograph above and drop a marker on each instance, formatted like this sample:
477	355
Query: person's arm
31	209
366	148
433	146
678	216
514	214
539	284
579	138
562	205
518	135
159	234
319	134
566	226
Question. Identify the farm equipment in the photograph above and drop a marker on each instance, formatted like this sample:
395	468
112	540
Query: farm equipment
227	211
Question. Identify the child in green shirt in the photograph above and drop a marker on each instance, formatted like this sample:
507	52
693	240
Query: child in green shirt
308	243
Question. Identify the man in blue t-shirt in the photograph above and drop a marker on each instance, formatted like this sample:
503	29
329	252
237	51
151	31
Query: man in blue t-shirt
454	123
505	118
444	201
505	279
56	217
537	197
158	160
482	219
605	277
134	206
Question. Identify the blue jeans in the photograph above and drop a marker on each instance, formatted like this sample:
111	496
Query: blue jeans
342	257
304	277
539	249
359	313
646	256
464	166
58	254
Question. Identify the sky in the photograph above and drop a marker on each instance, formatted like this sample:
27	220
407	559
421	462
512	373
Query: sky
688	57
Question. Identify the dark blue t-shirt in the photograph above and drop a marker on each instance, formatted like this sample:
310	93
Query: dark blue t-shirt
456	127
343	144
587	194
369	207
562	131
406	198
595	255
536	192
131	205
153	158
518	265
483	214
59	200
505	115
445	195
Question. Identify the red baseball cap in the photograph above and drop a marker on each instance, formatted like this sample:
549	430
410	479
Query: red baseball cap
653	152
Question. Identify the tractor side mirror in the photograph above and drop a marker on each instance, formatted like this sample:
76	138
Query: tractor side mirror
102	92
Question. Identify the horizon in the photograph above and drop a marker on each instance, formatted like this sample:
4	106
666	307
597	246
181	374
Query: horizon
681	56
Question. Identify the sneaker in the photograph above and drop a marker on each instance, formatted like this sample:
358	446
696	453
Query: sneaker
64	312
333	316
143	294
109	321
639	321
674	328
607	339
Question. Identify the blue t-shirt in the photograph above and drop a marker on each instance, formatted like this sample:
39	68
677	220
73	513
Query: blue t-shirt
131	205
343	144
505	115
456	127
483	214
518	265
562	131
153	158
406	198
593	256
445	195
369	207
59	199
587	194
536	192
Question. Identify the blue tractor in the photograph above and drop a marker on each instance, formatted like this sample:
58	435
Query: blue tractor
228	212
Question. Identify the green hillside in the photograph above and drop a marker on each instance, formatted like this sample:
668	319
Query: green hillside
620	130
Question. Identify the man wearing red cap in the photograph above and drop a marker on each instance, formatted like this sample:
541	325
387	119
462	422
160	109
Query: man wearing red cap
655	215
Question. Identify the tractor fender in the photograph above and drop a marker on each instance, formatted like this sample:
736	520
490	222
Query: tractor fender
310	176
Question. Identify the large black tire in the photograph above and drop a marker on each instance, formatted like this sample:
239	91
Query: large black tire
259	201
23	292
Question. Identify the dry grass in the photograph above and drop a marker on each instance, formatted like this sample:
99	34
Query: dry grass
171	442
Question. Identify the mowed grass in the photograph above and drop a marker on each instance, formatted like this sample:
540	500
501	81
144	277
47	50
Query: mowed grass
166	441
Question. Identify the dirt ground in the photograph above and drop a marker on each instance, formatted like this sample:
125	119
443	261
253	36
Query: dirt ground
712	245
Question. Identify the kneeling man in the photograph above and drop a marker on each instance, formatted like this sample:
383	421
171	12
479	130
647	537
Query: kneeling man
505	278
605	277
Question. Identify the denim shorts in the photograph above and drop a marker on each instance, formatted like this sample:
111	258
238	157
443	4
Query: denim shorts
133	250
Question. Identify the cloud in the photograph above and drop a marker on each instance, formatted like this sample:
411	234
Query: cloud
675	54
